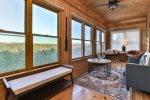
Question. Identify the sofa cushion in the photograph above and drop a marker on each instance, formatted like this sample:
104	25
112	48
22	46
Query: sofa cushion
109	51
145	59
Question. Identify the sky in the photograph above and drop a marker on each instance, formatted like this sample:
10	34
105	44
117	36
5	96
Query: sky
12	19
43	22
77	30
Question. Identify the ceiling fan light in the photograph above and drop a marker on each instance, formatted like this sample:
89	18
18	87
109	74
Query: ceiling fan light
112	7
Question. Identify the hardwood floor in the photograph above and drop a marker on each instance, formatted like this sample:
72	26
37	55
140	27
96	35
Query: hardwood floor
79	93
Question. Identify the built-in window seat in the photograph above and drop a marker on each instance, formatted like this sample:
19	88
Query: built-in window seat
20	86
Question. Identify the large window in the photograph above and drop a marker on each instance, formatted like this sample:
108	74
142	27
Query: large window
77	50
103	42
100	41
81	39
88	41
12	37
129	38
45	36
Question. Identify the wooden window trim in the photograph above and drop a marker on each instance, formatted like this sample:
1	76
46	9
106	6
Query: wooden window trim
17	33
91	39
100	39
38	3
101	42
29	36
83	24
77	20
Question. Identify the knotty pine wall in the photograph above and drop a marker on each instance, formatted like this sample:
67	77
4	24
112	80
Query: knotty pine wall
70	6
148	31
74	7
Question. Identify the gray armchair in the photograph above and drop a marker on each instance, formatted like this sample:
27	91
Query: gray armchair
137	76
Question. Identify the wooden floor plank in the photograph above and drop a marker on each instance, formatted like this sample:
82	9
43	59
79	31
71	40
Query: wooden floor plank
79	93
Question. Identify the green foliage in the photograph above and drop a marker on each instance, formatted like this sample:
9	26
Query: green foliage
12	55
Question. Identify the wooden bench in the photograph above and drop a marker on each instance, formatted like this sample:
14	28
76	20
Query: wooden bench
21	86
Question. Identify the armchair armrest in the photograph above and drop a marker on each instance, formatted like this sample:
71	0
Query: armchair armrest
138	76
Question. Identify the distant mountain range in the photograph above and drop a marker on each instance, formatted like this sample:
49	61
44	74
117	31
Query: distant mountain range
17	47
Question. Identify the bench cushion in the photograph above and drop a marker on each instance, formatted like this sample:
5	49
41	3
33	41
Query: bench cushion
23	84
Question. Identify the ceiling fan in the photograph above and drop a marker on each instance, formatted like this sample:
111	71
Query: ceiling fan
112	5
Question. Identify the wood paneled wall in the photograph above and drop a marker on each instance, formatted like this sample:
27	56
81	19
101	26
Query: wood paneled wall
130	24
70	7
2	90
148	31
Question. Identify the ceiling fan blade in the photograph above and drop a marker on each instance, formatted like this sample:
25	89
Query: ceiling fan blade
121	6
106	11
102	4
120	1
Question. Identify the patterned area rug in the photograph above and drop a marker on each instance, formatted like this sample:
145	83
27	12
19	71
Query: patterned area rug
114	85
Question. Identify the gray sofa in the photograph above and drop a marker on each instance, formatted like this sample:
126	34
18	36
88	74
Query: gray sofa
137	76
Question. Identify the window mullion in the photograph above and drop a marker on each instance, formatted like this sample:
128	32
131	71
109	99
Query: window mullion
83	39
29	37
45	40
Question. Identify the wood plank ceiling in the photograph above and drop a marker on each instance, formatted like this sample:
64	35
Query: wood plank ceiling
134	9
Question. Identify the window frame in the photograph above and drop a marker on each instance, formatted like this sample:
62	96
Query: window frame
124	31
77	38
100	40
17	33
86	24
83	24
50	36
103	42
28	4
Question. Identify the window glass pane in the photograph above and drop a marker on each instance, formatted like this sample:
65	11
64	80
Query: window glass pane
44	21
133	46
116	46
87	32
45	50
133	33
12	52
103	47
103	37
76	48
129	38
98	48
88	48
76	29
12	15
97	35
117	36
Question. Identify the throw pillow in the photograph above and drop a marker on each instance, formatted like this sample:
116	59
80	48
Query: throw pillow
147	59
109	51
143	60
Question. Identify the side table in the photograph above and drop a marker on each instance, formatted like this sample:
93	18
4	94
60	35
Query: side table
122	56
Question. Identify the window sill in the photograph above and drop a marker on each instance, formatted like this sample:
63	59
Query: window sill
25	72
77	59
87	57
81	59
